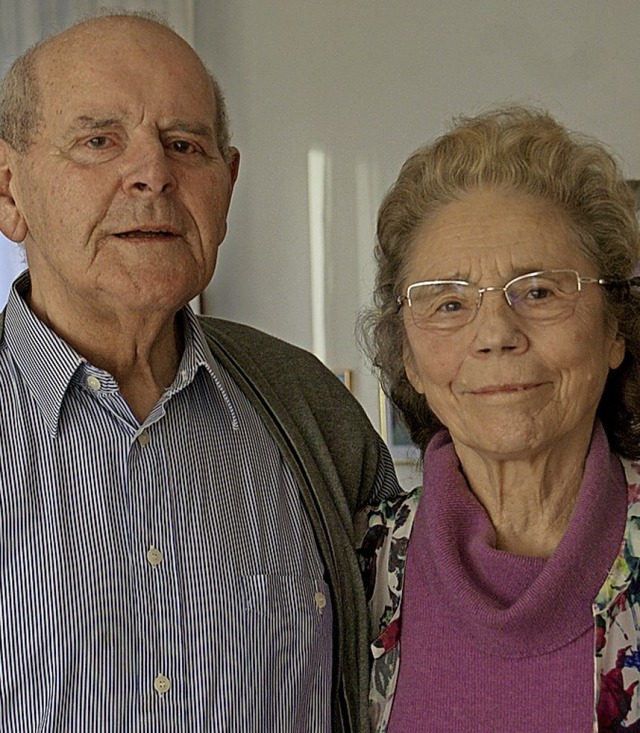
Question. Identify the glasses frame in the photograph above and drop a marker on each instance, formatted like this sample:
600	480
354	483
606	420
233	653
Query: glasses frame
580	281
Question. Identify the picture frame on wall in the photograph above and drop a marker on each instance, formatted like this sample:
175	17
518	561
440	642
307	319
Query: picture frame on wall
395	434
345	376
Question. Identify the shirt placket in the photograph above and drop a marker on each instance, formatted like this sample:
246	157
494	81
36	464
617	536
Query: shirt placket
156	587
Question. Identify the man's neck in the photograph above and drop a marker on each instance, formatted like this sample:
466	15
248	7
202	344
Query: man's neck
141	352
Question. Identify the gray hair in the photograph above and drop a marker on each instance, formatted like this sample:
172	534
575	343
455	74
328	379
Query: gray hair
527	151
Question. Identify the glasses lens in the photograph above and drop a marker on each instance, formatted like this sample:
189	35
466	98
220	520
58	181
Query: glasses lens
545	295
442	304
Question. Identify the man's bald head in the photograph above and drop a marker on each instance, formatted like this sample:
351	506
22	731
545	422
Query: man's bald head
21	89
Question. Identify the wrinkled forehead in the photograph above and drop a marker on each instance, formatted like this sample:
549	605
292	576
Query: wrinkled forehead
105	53
492	235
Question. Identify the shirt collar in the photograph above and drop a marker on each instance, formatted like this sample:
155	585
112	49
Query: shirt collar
49	365
46	362
196	355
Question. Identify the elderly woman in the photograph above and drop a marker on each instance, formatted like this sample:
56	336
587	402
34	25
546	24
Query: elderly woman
504	592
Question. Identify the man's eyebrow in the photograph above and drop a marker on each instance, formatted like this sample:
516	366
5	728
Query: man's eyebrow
86	122
193	128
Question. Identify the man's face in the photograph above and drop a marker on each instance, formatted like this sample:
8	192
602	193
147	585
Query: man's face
123	193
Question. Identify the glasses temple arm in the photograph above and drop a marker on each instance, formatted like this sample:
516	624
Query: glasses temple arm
632	282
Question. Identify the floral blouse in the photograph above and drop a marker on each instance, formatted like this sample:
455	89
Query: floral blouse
616	611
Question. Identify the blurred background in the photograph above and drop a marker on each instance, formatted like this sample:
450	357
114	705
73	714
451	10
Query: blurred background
328	97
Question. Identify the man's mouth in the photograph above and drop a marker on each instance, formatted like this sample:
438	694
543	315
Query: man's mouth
145	234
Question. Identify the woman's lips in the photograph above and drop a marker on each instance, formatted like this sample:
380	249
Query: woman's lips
506	388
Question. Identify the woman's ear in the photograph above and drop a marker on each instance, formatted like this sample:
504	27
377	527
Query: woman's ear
409	368
12	224
617	351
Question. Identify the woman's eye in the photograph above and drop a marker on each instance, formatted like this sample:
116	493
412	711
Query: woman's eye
450	306
539	294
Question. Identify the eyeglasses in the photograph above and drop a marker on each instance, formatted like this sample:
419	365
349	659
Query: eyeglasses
545	296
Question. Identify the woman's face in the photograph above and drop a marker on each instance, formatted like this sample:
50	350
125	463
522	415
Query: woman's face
506	386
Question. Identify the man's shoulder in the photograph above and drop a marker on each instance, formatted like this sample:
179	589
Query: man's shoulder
248	345
285	375
241	333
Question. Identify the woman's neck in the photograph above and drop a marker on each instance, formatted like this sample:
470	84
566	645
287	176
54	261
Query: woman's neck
529	499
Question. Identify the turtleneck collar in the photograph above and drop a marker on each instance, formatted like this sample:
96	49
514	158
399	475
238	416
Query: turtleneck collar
510	604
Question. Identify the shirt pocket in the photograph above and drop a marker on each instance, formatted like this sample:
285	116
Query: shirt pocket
296	602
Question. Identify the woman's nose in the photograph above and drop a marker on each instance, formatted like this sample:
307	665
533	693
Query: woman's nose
498	327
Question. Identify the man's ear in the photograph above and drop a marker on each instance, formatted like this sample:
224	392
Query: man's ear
234	164
12	223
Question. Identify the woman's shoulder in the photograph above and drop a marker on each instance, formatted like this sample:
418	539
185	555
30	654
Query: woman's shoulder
395	511
383	531
632	475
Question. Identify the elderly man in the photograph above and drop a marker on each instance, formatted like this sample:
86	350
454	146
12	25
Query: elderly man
176	494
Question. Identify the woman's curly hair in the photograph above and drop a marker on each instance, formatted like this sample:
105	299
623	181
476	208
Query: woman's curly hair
523	150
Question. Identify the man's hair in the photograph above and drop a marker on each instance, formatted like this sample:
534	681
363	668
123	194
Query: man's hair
515	150
21	98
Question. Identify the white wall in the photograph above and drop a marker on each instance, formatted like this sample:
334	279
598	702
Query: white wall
366	82
11	264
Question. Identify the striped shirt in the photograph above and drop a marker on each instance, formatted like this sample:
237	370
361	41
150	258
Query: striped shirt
155	577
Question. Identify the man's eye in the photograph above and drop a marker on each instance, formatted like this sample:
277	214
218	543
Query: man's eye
98	142
181	146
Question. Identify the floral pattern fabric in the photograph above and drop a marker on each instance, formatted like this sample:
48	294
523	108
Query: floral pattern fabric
616	612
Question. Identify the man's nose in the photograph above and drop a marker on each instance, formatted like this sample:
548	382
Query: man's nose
148	170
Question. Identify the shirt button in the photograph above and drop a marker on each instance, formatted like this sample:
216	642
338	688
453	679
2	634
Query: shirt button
154	556
162	684
93	383
321	600
144	438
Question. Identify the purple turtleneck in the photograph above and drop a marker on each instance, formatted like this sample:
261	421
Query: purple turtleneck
495	642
